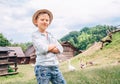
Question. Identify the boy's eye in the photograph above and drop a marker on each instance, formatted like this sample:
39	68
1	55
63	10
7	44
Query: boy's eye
46	20
42	19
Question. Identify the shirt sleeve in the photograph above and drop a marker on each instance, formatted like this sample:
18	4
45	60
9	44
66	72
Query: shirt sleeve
59	46
39	44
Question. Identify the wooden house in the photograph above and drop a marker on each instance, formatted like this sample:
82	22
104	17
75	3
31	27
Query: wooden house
21	57
68	52
30	52
8	64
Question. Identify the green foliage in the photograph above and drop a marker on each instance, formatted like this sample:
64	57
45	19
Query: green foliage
24	46
115	41
10	69
4	41
87	36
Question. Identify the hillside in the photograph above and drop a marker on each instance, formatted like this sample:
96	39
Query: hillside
95	65
109	55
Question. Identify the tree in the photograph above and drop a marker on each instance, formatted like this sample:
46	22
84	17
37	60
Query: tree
4	41
24	46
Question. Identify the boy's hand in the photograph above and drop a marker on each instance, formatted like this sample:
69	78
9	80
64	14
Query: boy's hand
51	46
55	50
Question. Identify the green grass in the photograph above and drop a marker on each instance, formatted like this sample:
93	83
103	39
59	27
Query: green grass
109	74
25	76
98	75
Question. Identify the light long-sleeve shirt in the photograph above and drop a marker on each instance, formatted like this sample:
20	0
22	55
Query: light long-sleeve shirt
40	43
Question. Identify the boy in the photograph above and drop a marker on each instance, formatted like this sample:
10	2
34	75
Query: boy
47	47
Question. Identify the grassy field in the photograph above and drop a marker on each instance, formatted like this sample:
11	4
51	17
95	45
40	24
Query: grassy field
92	75
97	75
105	68
25	76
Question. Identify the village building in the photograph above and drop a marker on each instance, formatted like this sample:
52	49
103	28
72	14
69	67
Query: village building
69	51
8	64
21	57
30	52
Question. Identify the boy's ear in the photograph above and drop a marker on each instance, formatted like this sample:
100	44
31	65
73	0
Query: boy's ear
35	21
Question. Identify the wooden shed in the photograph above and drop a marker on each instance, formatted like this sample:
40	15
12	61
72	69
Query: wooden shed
69	51
21	57
8	64
30	52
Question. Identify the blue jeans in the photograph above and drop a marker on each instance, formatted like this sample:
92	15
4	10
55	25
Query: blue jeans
46	74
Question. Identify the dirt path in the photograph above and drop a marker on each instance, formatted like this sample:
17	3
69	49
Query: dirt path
96	46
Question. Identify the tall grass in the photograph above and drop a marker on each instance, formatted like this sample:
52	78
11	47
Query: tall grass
101	75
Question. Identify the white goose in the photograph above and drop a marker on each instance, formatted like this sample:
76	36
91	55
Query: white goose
32	64
70	67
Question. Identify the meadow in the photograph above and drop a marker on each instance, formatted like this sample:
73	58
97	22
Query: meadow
91	75
25	76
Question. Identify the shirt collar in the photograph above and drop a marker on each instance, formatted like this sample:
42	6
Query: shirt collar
42	34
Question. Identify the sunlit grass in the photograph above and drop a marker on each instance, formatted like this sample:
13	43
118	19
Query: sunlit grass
98	75
109	74
25	76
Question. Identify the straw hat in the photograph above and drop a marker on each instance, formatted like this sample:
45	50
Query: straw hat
42	11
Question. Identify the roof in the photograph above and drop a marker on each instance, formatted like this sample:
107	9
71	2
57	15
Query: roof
4	49
30	50
17	50
66	43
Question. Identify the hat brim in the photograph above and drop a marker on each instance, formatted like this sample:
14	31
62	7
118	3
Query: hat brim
41	11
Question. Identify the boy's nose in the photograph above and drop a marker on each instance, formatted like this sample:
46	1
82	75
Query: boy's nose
45	21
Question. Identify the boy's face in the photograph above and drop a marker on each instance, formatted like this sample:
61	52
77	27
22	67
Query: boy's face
43	22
